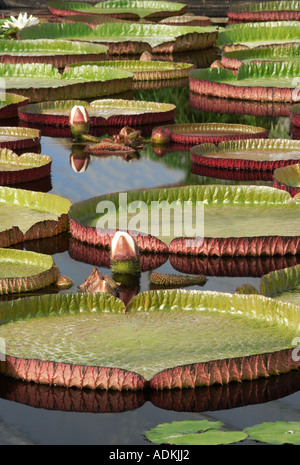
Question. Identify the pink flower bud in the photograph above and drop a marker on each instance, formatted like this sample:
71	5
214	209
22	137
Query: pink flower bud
79	121
123	247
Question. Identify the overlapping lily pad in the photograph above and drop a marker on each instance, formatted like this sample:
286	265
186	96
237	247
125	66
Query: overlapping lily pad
280	285
258	154
267	82
27	215
253	34
16	138
238	220
159	345
123	9
130	38
59	53
288	178
104	112
148	70
10	103
265	11
43	82
186	20
214	133
23	168
236	58
23	271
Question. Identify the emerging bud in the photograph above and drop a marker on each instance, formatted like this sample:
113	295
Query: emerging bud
160	136
146	56
95	283
79	121
124	254
64	282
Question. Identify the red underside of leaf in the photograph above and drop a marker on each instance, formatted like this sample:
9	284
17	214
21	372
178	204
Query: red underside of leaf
237	164
27	175
40	230
285	187
228	91
231	174
217	372
215	138
248	17
117	120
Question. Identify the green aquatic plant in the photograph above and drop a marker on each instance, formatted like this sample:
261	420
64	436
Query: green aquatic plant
193	432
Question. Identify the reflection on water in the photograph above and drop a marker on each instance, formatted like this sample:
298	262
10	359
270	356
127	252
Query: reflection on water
48	415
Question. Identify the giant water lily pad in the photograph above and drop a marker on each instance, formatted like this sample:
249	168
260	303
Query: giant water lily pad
130	38
266	81
43	82
288	178
124	9
223	220
198	133
23	271
158	343
16	138
265	11
148	70
27	215
258	154
250	35
145	345
59	53
27	167
104	112
10	103
236	58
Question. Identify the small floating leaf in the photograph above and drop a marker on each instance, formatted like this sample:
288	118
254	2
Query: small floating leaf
193	432
278	432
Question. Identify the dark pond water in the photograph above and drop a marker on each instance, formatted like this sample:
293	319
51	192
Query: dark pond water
31	414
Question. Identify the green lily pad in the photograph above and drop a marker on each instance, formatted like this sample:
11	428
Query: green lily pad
255	34
43	82
23	168
10	103
16	138
237	220
27	215
210	133
288	178
120	8
148	70
256	154
158	343
104	112
130	38
265	81
236	58
277	432
193	432
265	11
282	285
23	271
59	53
